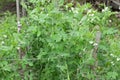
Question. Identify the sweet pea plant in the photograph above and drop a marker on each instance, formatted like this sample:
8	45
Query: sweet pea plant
58	43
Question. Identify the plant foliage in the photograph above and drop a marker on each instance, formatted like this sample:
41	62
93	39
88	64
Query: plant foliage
60	39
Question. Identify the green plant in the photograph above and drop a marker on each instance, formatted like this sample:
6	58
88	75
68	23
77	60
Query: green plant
61	42
58	43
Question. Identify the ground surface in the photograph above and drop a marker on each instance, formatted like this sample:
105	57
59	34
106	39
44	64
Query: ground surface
8	6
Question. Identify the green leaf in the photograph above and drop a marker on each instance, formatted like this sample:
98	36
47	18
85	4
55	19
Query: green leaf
112	75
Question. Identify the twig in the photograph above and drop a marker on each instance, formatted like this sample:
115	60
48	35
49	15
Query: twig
23	9
94	53
33	59
20	51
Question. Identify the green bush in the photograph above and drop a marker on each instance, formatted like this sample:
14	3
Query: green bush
60	40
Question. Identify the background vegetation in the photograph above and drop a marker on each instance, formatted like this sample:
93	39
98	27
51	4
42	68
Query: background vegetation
58	41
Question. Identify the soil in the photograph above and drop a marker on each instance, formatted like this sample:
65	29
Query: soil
10	6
